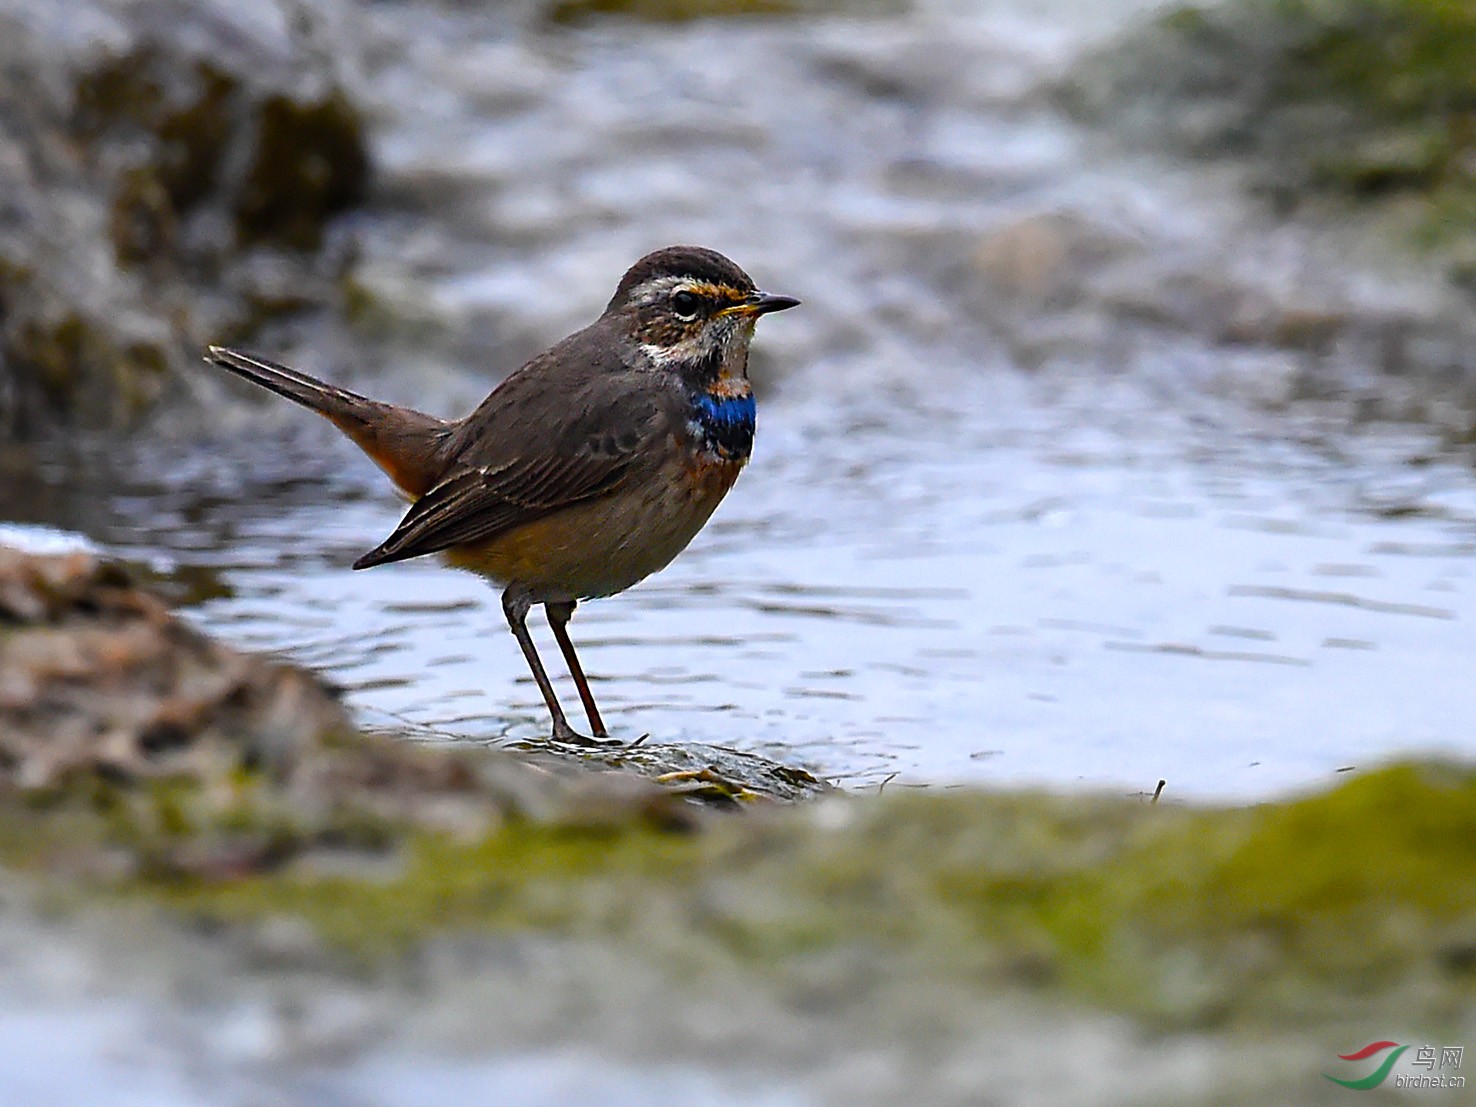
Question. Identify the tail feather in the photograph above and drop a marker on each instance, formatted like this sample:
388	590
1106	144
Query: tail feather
326	399
403	442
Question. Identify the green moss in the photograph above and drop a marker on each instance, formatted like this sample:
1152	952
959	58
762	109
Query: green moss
308	157
1358	899
1366	887
188	137
183	121
71	361
521	877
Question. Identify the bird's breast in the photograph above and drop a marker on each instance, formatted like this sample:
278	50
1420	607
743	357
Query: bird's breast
604	545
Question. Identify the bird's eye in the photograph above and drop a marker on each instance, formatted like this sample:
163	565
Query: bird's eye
686	304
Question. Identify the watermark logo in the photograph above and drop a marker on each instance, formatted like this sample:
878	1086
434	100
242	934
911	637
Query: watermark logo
1380	1074
1450	1058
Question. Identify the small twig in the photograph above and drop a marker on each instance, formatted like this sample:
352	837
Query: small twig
639	740
882	787
1158	791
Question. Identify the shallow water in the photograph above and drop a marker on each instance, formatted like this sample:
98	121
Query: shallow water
1033	497
999	591
127	1052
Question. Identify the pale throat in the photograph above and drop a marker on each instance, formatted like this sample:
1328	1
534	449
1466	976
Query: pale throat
718	352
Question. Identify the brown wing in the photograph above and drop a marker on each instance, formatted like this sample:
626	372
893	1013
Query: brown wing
475	504
532	454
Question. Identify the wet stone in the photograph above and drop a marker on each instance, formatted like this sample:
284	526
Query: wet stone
202	762
98	676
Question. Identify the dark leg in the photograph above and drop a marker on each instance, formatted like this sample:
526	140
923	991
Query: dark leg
558	618
516	604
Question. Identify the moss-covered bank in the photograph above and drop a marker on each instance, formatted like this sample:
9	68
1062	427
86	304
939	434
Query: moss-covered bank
1352	905
1362	101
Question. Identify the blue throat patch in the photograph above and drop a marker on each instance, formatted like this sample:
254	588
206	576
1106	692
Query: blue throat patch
726	423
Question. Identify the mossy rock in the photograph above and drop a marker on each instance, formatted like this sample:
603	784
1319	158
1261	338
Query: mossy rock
182	171
74	360
306	155
1355	100
310	165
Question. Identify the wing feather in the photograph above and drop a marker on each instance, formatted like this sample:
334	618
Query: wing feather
487	495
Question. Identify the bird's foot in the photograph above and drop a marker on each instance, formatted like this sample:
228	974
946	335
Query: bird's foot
571	737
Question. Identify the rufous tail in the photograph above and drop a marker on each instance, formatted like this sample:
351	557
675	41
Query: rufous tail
403	442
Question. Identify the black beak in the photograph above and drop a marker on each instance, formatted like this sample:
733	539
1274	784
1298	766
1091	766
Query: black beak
762	303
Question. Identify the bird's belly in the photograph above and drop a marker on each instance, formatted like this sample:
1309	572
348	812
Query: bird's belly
604	546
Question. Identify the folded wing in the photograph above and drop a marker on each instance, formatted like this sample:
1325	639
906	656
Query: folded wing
599	450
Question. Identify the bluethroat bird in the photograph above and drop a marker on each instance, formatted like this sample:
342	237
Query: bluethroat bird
589	468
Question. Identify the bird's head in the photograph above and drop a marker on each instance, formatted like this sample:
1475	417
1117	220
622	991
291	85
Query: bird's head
691	311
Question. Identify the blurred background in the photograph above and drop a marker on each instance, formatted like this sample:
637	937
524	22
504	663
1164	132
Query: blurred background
1124	434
